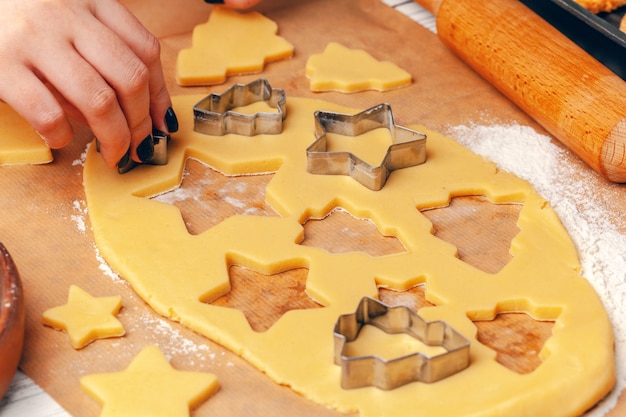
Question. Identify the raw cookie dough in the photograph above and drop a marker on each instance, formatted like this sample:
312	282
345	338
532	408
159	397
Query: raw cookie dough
150	386
352	70
230	43
86	318
19	143
147	242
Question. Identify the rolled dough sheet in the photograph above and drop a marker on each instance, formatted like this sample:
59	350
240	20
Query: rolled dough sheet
179	274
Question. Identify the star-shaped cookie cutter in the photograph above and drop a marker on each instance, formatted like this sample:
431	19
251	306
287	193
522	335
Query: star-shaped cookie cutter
362	371
213	114
408	146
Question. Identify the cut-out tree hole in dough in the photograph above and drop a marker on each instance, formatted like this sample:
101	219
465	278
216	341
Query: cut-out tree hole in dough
264	299
485	244
207	197
517	338
341	232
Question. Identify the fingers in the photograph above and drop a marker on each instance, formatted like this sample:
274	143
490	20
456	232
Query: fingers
82	85
29	97
147	48
116	95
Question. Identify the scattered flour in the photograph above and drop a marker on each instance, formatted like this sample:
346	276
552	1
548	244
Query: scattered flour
80	207
106	269
601	246
83	157
173	342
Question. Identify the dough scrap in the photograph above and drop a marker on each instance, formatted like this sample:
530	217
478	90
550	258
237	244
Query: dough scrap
149	386
542	279
346	70
86	318
19	143
230	43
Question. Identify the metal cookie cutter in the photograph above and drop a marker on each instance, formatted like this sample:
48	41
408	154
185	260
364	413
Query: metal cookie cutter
213	115
361	371
160	140
408	146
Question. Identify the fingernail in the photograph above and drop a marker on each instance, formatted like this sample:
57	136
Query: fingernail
145	150
171	120
126	163
45	140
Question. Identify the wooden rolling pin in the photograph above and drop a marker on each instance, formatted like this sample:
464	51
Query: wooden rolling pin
572	95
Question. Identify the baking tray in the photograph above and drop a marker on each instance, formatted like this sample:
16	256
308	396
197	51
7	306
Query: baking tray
599	34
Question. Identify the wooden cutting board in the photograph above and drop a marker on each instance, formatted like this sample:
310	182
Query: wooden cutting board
46	228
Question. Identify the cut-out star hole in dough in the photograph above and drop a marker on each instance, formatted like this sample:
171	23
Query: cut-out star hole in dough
346	70
207	197
451	224
264	299
230	43
150	386
86	318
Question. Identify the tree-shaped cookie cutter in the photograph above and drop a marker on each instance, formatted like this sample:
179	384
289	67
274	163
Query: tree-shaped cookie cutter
362	371
213	114
408	147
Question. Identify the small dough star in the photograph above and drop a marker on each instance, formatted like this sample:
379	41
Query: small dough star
150	386
86	318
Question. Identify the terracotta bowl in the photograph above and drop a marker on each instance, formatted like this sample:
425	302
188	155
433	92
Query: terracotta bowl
12	313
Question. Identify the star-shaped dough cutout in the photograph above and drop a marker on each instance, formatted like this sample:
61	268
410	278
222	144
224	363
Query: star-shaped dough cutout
149	386
346	70
86	318
230	43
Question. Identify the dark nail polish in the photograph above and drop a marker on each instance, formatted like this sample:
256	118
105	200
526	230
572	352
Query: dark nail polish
215	1
145	150
126	163
171	120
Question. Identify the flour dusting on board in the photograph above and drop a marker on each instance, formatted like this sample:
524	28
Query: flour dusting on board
83	157
80	209
601	246
173	341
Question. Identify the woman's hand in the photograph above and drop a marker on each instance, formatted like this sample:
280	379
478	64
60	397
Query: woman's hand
89	60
